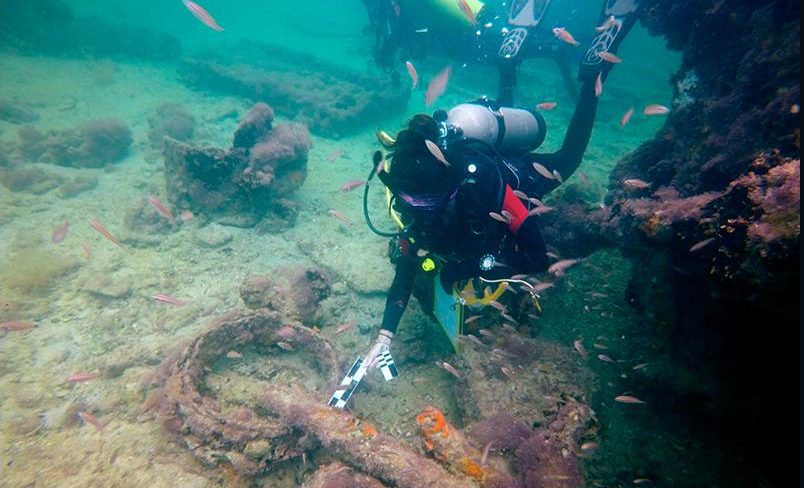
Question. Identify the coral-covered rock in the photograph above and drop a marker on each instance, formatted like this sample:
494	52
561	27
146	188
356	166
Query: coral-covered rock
170	120
715	235
329	99
241	185
295	292
15	114
254	127
91	145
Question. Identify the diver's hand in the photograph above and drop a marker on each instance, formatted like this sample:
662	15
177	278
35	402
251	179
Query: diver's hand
382	343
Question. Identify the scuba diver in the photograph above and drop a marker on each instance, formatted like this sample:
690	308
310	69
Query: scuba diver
464	189
501	35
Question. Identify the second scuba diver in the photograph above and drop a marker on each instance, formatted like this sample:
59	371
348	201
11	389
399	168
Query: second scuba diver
460	183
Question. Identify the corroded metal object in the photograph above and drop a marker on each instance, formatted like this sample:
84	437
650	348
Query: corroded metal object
250	442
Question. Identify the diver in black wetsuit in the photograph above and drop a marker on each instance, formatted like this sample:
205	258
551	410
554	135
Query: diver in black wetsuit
506	33
461	205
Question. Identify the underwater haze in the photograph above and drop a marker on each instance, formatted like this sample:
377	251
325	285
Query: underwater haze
188	272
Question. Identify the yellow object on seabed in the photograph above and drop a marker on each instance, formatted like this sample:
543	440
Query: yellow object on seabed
472	300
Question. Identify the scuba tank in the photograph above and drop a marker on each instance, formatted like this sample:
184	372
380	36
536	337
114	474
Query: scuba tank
505	129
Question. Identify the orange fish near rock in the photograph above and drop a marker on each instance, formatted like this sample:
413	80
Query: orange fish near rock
627	399
91	419
98	227
655	109
163	210
437	86
546	105
636	183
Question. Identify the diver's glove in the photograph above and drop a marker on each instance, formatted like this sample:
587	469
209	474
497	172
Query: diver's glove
382	344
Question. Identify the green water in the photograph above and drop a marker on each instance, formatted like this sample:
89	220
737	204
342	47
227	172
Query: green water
96	313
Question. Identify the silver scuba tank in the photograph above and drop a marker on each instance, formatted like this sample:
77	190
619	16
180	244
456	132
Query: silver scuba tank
505	128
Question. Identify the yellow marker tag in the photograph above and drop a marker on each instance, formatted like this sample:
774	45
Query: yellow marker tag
428	264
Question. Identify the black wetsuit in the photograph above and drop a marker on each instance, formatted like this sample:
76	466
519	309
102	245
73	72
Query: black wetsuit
463	232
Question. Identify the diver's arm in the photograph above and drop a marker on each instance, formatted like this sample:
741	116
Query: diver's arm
399	293
567	159
526	230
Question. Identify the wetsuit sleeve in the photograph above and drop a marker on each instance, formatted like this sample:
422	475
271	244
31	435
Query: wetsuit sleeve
399	294
532	245
527	232
567	159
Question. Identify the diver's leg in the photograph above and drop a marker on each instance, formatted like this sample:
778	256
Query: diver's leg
507	81
565	67
616	19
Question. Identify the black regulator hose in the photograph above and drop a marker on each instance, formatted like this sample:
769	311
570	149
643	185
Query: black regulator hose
376	159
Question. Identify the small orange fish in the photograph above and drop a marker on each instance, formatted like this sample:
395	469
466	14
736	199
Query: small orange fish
559	267
543	171
436	152
501	218
340	216
233	355
163	210
581	350
508	372
448	367
467	12
437	86
546	105
161	297
60	232
702	244
558	176
539	287
91	419
82	376
97	226
588	446
626	116
344	327
605	358
499	306
636	183
414	76
285	345
627	399
598	85
13	325
608	23
540	210
202	15
609	57
471	319
640	366
351	185
565	36
655	109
